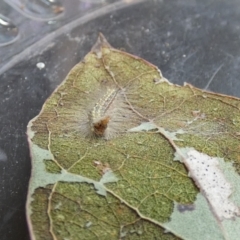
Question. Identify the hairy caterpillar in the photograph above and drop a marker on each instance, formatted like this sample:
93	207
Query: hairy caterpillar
111	114
106	114
98	117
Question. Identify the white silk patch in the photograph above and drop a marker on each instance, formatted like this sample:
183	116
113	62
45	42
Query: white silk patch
210	179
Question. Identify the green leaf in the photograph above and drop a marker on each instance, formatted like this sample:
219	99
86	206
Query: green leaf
118	152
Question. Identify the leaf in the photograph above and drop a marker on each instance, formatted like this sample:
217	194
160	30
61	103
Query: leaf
118	152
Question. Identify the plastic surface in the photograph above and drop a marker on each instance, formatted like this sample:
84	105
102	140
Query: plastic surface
190	41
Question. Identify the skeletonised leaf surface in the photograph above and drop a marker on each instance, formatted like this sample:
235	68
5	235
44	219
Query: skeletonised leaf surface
118	152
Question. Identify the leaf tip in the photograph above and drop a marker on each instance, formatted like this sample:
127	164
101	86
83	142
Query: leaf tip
101	42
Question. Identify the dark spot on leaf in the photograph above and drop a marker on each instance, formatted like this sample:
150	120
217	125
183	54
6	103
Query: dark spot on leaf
185	207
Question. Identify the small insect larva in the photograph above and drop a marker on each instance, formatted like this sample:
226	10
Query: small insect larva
98	117
106	114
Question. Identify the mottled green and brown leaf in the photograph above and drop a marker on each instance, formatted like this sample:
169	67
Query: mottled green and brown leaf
110	153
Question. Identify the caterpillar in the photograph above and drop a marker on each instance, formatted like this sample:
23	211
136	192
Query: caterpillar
105	113
98	116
